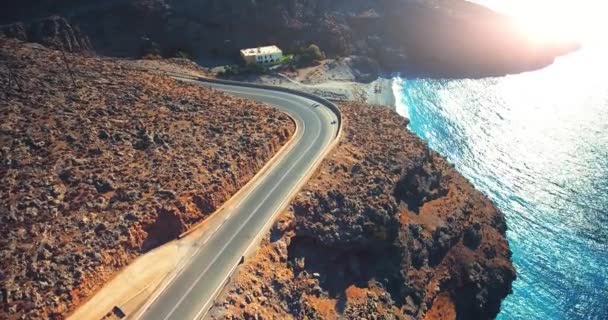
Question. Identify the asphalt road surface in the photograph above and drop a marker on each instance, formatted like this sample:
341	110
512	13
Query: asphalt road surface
190	294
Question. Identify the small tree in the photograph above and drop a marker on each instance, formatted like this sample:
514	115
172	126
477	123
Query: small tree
315	52
310	54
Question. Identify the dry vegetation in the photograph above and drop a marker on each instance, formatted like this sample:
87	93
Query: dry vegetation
386	229
93	176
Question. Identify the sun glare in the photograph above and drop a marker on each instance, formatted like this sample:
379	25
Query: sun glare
583	21
547	28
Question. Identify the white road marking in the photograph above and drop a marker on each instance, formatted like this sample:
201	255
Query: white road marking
248	218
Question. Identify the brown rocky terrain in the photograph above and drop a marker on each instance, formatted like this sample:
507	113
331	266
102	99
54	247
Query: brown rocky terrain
386	229
443	38
94	175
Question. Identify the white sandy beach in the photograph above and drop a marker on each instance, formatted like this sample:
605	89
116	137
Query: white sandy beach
334	80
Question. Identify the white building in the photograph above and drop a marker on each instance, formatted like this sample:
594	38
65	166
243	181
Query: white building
262	55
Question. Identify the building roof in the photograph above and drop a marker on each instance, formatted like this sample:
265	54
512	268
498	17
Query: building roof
260	50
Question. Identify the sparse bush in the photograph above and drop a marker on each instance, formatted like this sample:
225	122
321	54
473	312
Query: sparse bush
256	68
235	70
230	70
183	55
152	56
149	48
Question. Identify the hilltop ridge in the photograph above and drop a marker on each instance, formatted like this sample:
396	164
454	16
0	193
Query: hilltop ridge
440	38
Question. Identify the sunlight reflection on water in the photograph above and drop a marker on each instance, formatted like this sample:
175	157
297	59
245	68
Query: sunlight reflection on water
557	20
537	145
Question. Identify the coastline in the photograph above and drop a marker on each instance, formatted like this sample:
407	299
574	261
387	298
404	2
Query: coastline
335	80
399	97
330	80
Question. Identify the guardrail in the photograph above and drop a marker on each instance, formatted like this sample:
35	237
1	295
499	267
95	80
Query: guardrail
257	239
334	108
264	231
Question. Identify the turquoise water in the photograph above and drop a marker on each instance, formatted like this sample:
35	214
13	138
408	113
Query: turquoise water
537	145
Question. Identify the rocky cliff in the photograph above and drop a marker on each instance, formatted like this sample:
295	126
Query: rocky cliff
444	38
386	229
94	175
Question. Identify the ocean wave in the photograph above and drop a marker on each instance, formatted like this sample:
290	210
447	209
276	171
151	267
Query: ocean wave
398	93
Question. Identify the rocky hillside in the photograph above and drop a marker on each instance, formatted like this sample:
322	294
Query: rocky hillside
386	229
447	38
55	32
94	175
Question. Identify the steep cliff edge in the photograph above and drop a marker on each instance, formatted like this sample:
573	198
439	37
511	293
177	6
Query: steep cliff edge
443	38
386	229
94	175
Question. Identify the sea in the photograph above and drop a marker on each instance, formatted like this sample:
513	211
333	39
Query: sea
537	145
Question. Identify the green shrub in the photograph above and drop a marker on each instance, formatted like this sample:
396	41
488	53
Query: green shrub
314	52
309	54
234	70
287	59
230	70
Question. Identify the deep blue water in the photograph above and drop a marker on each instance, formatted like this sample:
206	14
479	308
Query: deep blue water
537	145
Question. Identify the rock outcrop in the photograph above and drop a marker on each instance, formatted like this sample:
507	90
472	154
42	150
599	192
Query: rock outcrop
444	38
386	229
94	175
54	32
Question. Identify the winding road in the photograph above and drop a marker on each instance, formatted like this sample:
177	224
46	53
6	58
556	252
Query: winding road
190	293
